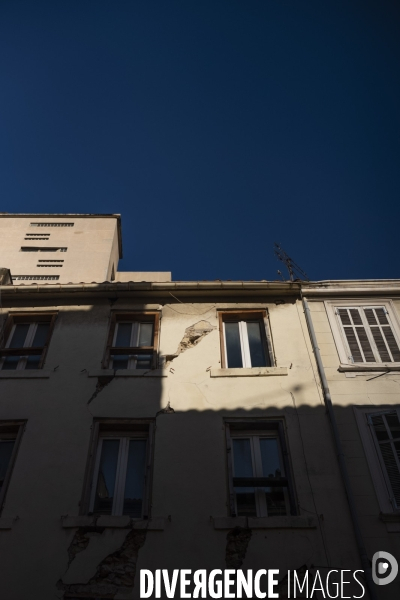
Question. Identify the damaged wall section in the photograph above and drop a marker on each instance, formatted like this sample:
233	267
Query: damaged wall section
115	573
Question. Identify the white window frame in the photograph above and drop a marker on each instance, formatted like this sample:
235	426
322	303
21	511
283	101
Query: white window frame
255	436
135	334
122	465
261	320
339	335
373	455
27	344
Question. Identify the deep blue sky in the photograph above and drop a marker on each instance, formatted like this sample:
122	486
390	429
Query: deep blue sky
214	127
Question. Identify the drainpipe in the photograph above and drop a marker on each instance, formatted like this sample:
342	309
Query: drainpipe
340	456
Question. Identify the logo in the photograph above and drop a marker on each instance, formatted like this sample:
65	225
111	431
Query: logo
384	568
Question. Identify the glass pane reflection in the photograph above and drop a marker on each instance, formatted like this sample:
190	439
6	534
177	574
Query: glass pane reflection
106	478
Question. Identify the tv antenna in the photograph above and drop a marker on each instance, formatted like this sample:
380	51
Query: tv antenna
295	272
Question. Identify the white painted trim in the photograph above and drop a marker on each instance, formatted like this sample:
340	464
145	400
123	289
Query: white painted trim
337	330
373	460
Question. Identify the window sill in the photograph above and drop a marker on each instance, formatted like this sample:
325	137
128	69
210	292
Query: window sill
253	372
25	374
128	373
365	367
123	522
265	522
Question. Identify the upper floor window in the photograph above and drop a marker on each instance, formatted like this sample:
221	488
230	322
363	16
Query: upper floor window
259	475
380	434
39	249
10	436
27	338
366	333
133	341
120	470
51	224
245	340
386	431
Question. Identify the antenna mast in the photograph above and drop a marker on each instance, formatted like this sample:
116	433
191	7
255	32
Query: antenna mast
295	272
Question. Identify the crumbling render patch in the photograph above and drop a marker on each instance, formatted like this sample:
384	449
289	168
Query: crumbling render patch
237	542
193	335
102	382
116	573
80	541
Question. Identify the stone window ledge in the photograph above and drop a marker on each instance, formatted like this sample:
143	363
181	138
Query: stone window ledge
7	523
128	373
265	522
368	368
25	374
123	522
252	372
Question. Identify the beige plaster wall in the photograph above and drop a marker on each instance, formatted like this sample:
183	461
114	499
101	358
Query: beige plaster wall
92	247
189	487
365	389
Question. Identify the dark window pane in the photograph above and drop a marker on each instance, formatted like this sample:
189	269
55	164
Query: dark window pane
355	315
134	482
124	331
276	505
243	466
394	424
19	335
119	361
391	342
106	478
380	312
257	354
388	455
6	448
270	457
143	361
246	502
145	334
10	363
380	428
369	313
233	347
32	362
40	338
380	344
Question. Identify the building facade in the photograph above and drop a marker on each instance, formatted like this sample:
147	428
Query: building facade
153	424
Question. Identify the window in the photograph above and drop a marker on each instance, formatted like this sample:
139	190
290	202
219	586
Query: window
259	478
51	224
34	277
365	334
245	340
133	341
27	338
385	427
38	249
120	469
10	437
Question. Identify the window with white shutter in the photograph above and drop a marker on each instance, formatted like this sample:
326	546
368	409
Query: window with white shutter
368	334
385	427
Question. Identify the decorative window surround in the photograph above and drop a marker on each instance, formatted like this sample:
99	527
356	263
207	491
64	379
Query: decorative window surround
252	372
27	337
292	522
127	373
245	339
382	484
29	374
120	462
122	522
132	341
347	364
